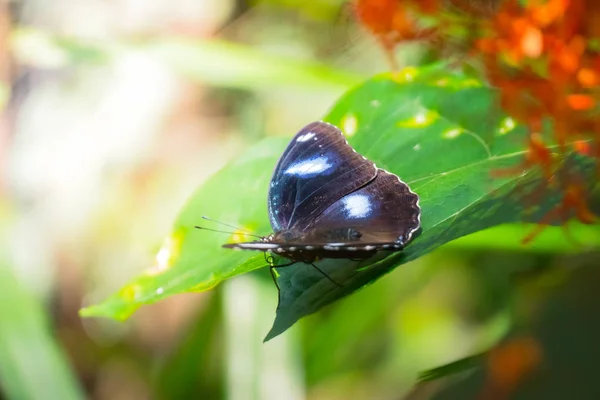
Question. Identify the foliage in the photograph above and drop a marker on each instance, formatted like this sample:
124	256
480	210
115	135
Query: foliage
403	123
27	348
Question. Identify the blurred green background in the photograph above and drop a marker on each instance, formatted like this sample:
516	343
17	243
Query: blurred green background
114	112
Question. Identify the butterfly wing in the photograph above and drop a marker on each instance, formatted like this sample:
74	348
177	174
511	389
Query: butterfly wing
318	168
385	213
382	215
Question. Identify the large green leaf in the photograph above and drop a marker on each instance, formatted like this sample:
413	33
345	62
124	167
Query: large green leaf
229	64
33	364
441	132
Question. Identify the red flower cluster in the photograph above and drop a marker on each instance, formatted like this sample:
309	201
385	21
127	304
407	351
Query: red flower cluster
543	56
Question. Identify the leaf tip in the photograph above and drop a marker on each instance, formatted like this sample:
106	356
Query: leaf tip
108	310
270	336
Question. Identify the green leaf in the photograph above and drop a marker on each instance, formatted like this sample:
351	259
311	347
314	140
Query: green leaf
441	132
551	240
456	367
229	64
192	259
33	365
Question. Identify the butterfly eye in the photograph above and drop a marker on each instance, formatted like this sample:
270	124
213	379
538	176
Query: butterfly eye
354	234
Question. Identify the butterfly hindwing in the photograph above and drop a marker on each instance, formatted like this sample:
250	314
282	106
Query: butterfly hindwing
383	212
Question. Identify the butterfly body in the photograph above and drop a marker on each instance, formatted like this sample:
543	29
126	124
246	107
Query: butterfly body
327	201
310	247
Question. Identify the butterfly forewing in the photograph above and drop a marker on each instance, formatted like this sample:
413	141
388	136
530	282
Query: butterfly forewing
318	168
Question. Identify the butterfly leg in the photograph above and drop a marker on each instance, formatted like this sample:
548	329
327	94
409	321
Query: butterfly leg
271	262
272	271
273	268
325	275
269	259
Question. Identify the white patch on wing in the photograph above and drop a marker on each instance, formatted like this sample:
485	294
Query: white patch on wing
309	167
305	137
357	205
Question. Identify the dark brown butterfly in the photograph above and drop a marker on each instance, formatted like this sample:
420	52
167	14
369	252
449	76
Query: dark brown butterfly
327	201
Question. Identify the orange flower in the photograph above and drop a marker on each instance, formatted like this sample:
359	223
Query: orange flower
543	13
581	102
588	78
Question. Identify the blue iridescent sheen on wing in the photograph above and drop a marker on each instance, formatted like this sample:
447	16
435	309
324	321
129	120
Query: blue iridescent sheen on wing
317	169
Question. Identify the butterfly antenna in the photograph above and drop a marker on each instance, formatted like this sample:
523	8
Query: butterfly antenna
237	228
231	233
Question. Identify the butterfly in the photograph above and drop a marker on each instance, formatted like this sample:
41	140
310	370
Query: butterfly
327	201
